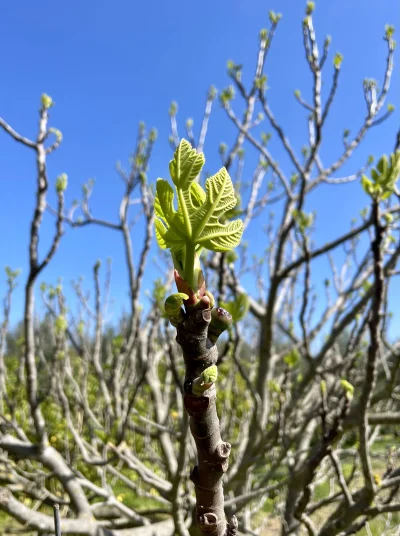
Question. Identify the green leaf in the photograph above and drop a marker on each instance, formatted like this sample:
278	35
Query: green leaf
367	185
160	234
237	308
175	302
197	194
220	198
384	177
186	165
199	221
164	200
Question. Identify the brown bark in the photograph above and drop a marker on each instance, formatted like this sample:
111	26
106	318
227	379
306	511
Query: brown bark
199	353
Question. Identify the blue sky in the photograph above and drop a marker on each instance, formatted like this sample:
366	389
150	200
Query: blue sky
109	65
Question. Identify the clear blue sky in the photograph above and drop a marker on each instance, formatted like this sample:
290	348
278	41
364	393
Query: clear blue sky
109	65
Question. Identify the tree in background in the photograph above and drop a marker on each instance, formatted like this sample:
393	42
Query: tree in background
93	418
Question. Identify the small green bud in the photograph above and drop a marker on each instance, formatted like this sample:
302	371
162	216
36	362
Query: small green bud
370	160
346	133
47	101
210	374
260	117
390	107
274	17
348	388
212	93
337	60
310	7
211	297
153	135
231	256
173	109
263	34
222	148
189	122
305	151
265	137
293	179
292	358
227	95
297	93
328	40
61	183
57	133
322	386
327	283
220	321
173	306
274	386
388	217
261	82
369	83
207	378
389	31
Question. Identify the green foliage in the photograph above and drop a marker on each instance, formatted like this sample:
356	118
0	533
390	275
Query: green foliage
303	220
60	325
227	95
292	358
238	307
196	224
261	82
383	177
12	274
